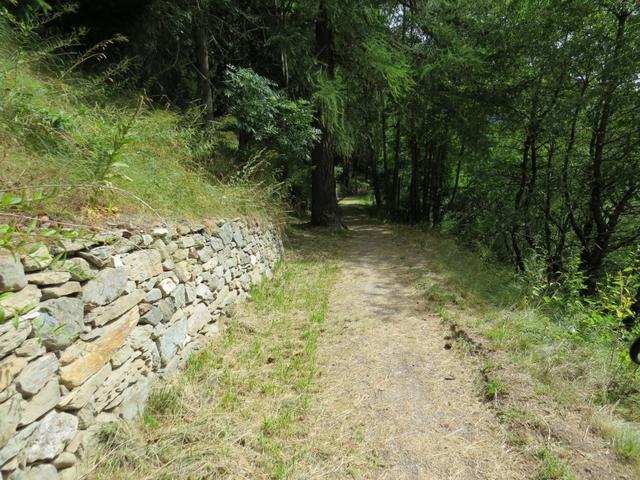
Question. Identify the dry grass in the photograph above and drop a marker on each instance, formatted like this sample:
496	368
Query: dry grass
548	373
240	408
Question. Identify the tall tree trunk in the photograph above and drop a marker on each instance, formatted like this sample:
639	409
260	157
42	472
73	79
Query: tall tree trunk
385	160
426	182
414	191
395	188
324	204
375	181
202	63
593	257
456	181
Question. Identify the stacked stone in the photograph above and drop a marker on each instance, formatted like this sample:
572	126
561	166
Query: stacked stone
92	324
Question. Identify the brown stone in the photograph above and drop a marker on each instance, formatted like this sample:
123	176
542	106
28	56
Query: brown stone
9	368
48	278
99	352
69	288
78	398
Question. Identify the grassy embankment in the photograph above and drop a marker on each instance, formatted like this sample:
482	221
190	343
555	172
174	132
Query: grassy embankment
104	151
570	358
238	411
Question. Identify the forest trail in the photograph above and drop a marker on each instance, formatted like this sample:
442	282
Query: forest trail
387	378
392	401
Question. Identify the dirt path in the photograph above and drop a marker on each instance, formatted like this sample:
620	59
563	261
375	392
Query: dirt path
398	404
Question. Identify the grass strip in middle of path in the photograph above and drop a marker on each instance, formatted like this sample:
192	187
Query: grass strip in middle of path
238	410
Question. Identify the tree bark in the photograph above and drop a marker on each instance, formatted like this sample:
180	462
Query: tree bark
324	204
202	63
395	186
414	191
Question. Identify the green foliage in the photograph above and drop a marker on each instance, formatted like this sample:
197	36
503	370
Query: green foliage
104	151
268	117
551	467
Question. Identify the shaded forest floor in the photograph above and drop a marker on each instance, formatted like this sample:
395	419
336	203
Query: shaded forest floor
359	361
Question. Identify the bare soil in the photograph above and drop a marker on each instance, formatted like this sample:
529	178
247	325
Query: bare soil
394	401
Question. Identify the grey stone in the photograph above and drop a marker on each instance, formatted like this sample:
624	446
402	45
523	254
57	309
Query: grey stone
53	433
147	239
205	254
168	264
36	374
38	260
160	232
116	262
122	355
12	277
226	233
187	242
204	292
179	296
180	254
69	288
102	315
215	282
10	413
153	317
9	368
48	278
140	340
198	319
86	416
79	269
74	445
144	308
210	264
31	348
217	244
172	340
190	294
80	396
182	271
131	286
21	302
17	443
99	256
60	322
135	397
39	472
153	295
108	285
183	229
69	245
109	394
91	334
238	238
167	286
12	337
65	460
143	264
43	401
210	329
125	245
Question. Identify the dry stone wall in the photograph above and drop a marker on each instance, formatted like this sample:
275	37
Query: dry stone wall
92	324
